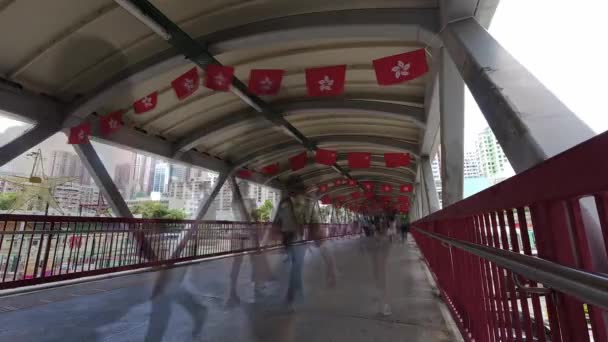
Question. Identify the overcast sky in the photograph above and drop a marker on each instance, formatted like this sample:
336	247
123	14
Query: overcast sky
562	42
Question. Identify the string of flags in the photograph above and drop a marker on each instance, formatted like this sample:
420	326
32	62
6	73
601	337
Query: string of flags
371	200
320	82
356	160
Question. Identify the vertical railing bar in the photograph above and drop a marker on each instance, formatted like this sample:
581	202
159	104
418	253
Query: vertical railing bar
8	260
72	241
491	315
495	281
29	250
510	287
22	237
516	249
527	247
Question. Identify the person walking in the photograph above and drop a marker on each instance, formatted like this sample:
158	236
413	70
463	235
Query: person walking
378	247
405	228
286	220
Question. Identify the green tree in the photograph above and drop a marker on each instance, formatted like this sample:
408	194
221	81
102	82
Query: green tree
154	209
7	200
263	212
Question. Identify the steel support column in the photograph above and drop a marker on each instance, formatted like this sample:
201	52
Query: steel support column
452	130
98	172
90	159
26	141
204	206
530	123
236	192
429	185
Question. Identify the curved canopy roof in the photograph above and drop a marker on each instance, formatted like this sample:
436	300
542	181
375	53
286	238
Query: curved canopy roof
92	57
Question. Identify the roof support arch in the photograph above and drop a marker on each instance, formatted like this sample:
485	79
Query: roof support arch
406	24
277	151
393	110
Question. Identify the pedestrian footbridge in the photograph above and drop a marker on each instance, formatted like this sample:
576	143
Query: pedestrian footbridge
341	106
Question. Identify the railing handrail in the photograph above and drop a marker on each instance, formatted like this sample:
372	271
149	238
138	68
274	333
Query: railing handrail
549	180
591	288
51	219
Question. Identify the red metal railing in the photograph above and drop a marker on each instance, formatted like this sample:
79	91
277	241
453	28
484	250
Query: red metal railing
562	204
37	249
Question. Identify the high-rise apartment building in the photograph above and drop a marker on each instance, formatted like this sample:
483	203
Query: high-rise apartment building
178	173
68	164
160	182
493	160
436	168
472	168
122	178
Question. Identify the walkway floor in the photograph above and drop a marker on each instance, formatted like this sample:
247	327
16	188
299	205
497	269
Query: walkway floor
120	309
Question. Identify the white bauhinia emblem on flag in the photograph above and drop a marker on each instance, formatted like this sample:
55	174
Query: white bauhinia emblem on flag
266	84
189	84
401	69
326	83
81	135
147	101
220	79
113	124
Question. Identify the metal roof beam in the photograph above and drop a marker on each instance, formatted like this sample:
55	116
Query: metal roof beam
275	151
403	24
132	139
21	104
410	113
198	53
377	161
371	174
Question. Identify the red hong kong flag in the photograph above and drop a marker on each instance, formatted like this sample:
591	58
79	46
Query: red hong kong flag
355	195
325	81
368	186
80	134
271	169
325	200
265	82
386	188
359	160
323	187
352	182
341	199
338	182
403	199
396	159
244	174
405	188
369	195
110	123
146	103
186	84
400	68
298	161
325	157
219	77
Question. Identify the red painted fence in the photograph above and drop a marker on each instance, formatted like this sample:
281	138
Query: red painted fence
565	200
37	249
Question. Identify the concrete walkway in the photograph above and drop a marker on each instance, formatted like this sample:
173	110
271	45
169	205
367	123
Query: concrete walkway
193	304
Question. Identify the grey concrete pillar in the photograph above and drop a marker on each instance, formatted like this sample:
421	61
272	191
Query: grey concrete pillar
452	130
530	123
429	186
